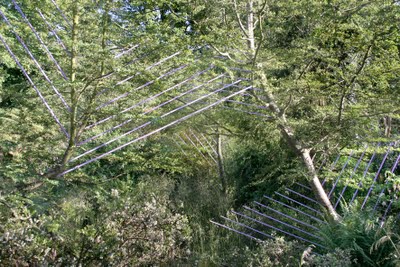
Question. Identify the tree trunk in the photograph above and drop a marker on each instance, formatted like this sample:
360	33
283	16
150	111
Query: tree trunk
250	27
387	121
220	161
314	181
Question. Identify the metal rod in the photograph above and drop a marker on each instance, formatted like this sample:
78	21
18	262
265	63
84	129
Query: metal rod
40	40
392	171
53	32
286	216
340	174
153	132
301	195
299	203
126	51
303	186
376	176
199	141
143	113
236	231
295	209
198	150
277	229
34	86
331	168
281	222
351	176
359	185
35	61
248	227
139	88
62	14
209	144
166	90
148	68
145	124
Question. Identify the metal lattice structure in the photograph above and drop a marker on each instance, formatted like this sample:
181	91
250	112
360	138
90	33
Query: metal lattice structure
131	107
296	214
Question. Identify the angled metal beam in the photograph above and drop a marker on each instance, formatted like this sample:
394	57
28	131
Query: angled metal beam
286	216
40	40
248	227
35	61
295	209
236	231
60	42
351	176
340	174
281	222
376	176
359	185
301	195
299	203
62	14
34	86
381	193
153	132
146	112
278	229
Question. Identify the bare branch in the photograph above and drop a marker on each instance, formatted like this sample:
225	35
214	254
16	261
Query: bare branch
239	20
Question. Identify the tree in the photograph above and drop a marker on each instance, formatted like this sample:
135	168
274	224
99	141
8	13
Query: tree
318	65
108	62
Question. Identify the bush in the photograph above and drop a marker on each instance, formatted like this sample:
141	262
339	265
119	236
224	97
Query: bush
360	233
121	226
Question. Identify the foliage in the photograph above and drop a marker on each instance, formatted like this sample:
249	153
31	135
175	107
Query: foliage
331	67
124	225
338	257
362	235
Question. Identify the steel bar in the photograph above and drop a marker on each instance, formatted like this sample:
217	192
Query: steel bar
126	51
340	174
144	113
154	131
248	227
236	231
301	195
376	176
145	124
281	222
299	203
148	68
359	185
62	14
35	61
169	73
278	229
40	40
286	216
181	148
166	90
303	186
199	141
294	209
351	176
59	41
331	168
198	150
209	144
34	86
392	171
